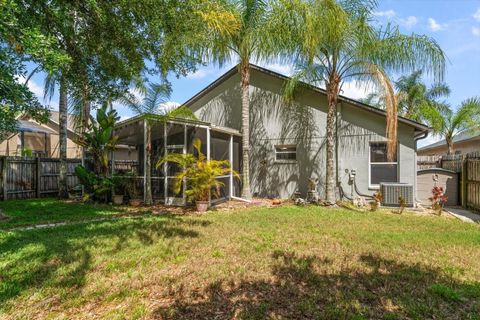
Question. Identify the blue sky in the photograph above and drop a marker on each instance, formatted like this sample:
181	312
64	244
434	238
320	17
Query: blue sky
455	24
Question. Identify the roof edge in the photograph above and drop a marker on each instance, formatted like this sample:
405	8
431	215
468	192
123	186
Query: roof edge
421	127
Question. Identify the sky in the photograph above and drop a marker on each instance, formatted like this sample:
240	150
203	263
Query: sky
454	24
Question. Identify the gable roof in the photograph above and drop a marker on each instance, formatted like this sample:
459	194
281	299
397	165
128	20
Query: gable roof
461	137
418	126
30	126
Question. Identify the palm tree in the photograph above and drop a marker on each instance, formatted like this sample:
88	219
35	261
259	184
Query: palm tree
51	80
447	123
336	42
63	125
151	106
252	38
414	96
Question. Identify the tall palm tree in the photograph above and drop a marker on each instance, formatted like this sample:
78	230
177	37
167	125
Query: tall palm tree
337	41
151	106
51	80
448	123
253	38
414	96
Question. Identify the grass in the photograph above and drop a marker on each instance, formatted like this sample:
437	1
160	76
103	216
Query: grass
281	263
44	211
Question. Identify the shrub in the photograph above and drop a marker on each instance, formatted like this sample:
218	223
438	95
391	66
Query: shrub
96	188
201	173
377	199
402	204
438	199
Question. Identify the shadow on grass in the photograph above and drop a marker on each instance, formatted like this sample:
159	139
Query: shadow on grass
61	257
302	288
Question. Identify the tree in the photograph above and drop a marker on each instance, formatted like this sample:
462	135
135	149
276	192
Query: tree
448	123
414	96
15	97
253	37
152	107
337	41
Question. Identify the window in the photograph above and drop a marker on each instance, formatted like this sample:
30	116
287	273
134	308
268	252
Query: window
286	153
381	170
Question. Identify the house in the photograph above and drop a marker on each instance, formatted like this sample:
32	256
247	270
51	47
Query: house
287	139
42	139
463	143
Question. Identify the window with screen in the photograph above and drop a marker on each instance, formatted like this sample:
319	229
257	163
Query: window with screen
382	170
286	153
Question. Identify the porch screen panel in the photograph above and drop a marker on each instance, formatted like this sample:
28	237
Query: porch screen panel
196	133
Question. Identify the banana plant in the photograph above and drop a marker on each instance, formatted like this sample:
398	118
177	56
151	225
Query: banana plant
99	140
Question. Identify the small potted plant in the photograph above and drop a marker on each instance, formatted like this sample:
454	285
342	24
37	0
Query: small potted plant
119	188
201	175
132	189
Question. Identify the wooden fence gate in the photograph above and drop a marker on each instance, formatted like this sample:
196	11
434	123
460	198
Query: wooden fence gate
471	181
468	165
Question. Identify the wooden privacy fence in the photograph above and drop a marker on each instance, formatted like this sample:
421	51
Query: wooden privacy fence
467	165
471	181
24	178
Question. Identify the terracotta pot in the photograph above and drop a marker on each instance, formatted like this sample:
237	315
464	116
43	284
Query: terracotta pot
118	199
202	206
135	202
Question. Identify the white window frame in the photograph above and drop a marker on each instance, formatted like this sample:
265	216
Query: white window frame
285	152
377	186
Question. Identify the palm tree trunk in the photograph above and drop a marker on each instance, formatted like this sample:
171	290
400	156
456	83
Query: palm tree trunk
449	146
332	96
148	164
62	121
245	86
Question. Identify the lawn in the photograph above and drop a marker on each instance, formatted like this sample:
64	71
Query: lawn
282	263
43	211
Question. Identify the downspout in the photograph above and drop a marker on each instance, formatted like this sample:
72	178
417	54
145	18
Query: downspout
339	110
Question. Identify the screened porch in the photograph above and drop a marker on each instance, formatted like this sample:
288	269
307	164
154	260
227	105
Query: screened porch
176	136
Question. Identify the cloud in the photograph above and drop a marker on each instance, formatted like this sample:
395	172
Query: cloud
476	31
476	15
409	21
356	89
387	14
167	106
435	26
285	69
199	74
32	86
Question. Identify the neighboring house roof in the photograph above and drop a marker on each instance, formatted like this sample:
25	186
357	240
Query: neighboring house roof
418	126
55	117
29	126
461	137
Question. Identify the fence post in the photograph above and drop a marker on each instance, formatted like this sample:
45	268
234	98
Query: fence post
464	181
4	178
38	172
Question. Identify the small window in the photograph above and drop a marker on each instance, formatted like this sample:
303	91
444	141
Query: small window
382	170
286	153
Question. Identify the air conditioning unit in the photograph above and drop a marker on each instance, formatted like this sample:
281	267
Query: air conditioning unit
392	191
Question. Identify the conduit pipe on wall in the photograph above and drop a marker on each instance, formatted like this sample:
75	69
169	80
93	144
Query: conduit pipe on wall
241	199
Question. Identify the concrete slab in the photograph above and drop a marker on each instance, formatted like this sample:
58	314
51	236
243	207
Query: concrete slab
464	215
